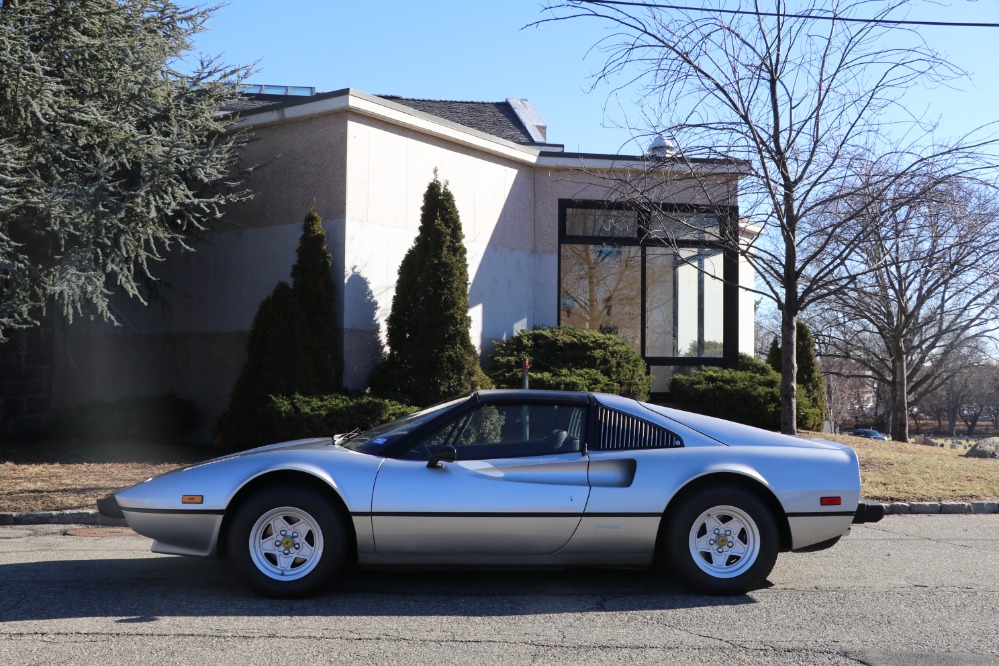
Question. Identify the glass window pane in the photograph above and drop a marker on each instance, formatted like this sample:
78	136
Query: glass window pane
700	309
684	226
684	303
662	376
601	222
600	289
660	302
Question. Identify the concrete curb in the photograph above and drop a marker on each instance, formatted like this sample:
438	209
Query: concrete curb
91	517
69	517
903	508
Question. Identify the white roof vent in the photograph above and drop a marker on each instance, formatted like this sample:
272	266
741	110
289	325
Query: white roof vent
536	127
661	147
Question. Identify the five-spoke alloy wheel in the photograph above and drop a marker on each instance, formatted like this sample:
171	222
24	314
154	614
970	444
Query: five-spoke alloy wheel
287	541
722	540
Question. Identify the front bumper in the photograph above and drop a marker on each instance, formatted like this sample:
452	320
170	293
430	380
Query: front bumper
868	512
108	507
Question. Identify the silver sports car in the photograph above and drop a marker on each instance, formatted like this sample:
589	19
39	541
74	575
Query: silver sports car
510	477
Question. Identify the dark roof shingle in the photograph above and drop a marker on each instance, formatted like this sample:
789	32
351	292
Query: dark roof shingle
495	118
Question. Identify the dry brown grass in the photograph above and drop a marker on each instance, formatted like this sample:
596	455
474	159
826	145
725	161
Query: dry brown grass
893	471
49	477
56	476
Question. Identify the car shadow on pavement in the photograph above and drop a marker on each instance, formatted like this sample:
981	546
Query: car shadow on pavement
145	589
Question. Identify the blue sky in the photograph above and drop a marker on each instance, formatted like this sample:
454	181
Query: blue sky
480	50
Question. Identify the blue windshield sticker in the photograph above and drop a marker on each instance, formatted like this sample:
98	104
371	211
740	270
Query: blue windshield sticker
379	441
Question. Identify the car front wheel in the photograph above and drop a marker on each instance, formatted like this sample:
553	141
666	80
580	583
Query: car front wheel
287	542
722	540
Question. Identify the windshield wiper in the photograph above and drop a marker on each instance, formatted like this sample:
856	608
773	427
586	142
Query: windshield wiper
340	439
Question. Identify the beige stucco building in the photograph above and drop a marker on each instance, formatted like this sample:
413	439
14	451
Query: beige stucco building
550	237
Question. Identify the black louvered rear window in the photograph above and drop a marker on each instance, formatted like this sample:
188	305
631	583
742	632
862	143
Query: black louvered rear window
617	430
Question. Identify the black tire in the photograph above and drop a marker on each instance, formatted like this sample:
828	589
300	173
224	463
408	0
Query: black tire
287	542
735	559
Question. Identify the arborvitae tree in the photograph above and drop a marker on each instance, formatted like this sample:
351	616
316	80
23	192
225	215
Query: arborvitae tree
294	344
109	157
809	377
431	356
313	287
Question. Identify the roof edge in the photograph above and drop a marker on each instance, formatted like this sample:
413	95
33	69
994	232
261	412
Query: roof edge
351	99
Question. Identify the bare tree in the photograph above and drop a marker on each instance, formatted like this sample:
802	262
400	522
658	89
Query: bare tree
925	290
848	392
991	392
956	392
788	107
975	401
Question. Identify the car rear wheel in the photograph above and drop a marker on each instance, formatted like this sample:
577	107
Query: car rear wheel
721	540
287	542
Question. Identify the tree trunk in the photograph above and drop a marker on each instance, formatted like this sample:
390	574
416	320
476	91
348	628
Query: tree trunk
900	399
789	374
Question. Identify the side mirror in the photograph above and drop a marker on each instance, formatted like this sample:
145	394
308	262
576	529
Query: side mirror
444	454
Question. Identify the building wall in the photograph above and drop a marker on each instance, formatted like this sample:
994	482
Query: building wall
193	341
367	177
390	168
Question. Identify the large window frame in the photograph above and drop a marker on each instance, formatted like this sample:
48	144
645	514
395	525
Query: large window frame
645	239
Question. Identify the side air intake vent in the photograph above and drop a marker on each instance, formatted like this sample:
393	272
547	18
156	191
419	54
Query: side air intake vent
622	431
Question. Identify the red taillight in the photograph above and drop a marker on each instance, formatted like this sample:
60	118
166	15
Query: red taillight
831	501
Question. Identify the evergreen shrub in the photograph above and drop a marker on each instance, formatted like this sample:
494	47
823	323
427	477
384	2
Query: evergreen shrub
748	394
568	358
297	416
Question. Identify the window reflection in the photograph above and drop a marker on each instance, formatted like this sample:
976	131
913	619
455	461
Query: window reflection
600	289
684	303
680	314
684	226
699	297
601	222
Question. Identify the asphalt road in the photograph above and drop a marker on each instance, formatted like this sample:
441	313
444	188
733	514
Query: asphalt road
907	590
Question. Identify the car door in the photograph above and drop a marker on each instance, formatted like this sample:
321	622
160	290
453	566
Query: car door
517	484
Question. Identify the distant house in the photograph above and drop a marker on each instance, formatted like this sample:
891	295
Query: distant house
548	243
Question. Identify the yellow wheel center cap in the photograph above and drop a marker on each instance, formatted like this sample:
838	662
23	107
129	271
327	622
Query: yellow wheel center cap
722	541
287	542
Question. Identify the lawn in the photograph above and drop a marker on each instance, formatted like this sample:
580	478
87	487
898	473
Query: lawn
54	476
893	471
51	476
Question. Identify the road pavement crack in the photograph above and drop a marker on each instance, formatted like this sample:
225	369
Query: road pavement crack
884	530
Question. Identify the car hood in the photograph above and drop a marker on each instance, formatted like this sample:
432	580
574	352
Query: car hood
311	443
737	434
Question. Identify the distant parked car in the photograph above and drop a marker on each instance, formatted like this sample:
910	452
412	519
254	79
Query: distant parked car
868	433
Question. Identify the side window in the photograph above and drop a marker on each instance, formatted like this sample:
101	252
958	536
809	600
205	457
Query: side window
507	431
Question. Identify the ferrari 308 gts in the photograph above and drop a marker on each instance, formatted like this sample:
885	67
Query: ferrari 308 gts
510	477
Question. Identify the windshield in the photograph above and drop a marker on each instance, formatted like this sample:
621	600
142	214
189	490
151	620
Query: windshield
375	440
